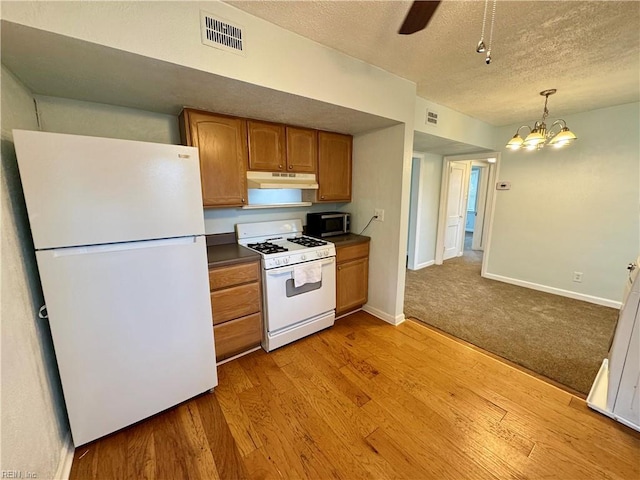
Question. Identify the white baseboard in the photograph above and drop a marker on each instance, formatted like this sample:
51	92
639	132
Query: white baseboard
423	265
66	459
397	320
556	291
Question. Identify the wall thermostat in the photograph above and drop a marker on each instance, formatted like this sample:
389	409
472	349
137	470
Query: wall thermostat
503	186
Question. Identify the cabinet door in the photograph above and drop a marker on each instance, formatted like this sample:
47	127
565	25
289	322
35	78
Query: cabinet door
237	336
334	167
266	146
235	302
221	143
352	284
302	150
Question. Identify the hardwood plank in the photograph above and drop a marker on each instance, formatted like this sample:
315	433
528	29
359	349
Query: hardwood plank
220	441
168	439
232	380
141	453
85	462
277	440
397	456
261	467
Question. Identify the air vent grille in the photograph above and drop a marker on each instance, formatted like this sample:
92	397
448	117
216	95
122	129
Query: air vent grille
432	118
220	33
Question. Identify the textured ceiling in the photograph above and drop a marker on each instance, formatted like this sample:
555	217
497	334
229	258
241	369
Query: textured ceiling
588	50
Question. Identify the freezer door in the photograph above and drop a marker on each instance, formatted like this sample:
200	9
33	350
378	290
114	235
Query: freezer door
131	327
87	190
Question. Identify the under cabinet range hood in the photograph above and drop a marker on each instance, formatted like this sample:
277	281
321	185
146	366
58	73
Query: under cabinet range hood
269	180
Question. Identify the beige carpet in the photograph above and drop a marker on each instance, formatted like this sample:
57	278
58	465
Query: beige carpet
560	338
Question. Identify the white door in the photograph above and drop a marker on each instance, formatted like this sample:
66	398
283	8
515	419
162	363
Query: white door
131	327
456	208
88	190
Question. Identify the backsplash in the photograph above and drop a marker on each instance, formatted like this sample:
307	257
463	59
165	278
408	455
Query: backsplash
223	220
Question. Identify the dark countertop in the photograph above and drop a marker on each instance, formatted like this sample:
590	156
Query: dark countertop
230	254
348	239
220	253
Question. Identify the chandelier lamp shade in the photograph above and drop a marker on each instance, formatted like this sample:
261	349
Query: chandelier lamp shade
539	136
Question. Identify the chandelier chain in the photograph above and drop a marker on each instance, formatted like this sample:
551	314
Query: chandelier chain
484	19
493	19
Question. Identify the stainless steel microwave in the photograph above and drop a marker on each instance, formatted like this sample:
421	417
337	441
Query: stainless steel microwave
327	224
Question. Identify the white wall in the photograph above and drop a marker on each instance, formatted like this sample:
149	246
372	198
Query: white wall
62	115
378	183
573	209
425	191
34	422
453	125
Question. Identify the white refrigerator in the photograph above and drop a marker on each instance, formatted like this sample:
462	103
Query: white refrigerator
118	230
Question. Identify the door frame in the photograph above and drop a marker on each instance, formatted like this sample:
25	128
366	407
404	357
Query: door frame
415	211
479	238
444	193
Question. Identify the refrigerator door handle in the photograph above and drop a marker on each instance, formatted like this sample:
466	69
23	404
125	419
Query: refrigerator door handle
115	247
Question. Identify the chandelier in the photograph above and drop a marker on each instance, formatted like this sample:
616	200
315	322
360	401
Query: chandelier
539	136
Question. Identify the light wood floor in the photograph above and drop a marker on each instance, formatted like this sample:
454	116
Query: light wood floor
367	400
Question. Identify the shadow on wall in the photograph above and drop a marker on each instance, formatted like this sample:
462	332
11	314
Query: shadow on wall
26	254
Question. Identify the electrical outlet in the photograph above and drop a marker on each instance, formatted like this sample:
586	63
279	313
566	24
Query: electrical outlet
577	277
379	213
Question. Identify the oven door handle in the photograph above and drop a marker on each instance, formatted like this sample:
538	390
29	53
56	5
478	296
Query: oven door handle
289	269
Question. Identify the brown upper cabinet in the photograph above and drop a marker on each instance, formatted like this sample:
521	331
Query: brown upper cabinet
302	150
279	148
267	146
334	167
222	147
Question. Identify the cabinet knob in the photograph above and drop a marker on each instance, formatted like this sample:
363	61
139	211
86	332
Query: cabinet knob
339	268
290	167
243	200
322	197
280	167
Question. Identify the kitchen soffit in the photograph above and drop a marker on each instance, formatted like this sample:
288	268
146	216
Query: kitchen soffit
55	65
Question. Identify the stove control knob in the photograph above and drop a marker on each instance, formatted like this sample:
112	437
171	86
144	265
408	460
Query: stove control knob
319	253
285	260
303	257
277	261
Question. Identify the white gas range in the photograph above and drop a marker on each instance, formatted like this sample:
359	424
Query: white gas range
299	279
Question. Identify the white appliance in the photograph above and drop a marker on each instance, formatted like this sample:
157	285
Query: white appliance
299	279
616	390
118	230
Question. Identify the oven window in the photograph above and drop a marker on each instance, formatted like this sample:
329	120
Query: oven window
292	291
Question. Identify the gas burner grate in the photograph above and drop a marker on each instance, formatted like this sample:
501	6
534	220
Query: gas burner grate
307	242
267	247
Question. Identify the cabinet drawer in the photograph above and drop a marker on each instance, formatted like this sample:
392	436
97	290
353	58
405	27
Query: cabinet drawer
350	252
237	336
233	275
235	302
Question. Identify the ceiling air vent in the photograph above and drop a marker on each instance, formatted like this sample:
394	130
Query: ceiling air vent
222	34
432	118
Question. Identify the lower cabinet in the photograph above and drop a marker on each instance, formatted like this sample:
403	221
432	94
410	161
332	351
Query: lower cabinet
236	308
352	276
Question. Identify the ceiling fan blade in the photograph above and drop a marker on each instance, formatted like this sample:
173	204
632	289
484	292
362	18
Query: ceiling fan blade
418	16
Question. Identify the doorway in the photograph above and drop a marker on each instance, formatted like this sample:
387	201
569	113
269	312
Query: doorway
465	205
